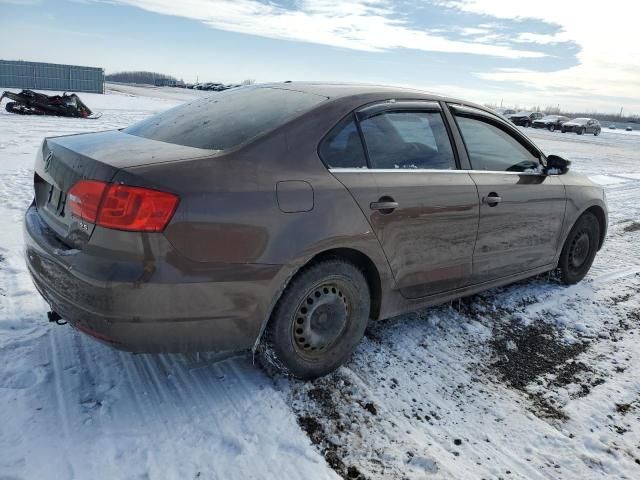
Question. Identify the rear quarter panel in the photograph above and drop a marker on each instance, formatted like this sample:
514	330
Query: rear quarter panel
229	211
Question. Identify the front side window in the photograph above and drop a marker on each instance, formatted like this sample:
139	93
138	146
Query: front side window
408	140
342	148
491	148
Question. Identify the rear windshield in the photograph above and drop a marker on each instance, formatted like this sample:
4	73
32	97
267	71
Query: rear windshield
226	120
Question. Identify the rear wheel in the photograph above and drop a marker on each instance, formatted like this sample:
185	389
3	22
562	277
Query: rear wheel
552	127
318	321
581	131
527	124
579	249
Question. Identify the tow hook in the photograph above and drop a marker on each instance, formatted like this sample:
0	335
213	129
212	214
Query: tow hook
55	317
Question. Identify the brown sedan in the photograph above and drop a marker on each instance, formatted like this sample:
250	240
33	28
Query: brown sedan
284	217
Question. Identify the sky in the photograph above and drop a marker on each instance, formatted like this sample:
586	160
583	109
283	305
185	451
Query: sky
582	55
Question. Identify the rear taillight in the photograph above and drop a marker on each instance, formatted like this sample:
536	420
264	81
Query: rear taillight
84	199
122	207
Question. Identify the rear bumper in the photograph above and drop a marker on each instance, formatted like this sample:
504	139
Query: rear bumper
149	298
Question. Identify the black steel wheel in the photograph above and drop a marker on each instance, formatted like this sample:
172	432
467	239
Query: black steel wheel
318	321
552	127
579	249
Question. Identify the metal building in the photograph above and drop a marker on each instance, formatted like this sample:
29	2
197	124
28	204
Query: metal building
51	76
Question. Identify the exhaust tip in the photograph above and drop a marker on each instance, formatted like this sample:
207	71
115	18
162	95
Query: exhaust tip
55	317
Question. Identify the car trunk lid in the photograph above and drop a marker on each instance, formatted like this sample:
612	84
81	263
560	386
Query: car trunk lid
63	161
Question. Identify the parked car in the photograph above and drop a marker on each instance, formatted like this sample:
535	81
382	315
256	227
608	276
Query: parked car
550	122
629	128
612	127
505	111
282	218
582	126
524	119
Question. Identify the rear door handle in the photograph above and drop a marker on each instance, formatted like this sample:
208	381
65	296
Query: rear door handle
384	205
492	199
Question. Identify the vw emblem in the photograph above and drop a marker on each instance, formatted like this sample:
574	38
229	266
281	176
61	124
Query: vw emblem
47	162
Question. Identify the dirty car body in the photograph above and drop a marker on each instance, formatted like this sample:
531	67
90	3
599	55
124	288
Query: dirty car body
257	182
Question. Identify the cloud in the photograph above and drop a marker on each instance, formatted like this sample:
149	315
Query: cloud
609	60
367	25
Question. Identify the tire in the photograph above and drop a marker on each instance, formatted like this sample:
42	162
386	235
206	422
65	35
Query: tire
579	249
552	127
318	321
596	133
581	131
526	125
563	130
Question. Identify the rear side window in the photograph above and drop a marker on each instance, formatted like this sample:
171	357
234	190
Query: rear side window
491	148
228	119
342	148
408	140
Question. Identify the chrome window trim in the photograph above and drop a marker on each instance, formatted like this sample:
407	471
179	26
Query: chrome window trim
426	170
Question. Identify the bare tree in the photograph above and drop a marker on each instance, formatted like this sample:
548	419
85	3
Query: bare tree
147	78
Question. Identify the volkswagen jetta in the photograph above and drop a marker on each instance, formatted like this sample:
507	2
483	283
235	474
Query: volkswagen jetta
284	217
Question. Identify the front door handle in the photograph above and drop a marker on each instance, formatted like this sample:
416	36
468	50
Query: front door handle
492	199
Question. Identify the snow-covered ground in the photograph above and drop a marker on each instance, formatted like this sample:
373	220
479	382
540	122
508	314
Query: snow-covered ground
535	380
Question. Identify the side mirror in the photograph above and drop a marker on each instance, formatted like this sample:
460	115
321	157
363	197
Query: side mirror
556	165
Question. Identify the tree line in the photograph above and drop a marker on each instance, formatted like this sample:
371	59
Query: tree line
148	78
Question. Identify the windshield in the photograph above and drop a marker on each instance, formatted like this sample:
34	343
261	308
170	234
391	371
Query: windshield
226	120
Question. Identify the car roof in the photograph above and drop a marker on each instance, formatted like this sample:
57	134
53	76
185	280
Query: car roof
345	90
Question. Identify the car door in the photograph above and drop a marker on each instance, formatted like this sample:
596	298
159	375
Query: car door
521	209
422	208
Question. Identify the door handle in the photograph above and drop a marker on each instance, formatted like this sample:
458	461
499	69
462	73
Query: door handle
492	199
384	205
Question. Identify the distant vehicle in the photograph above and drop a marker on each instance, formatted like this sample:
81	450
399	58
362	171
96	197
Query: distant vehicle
550	122
582	126
629	129
504	111
28	102
524	119
612	127
118	258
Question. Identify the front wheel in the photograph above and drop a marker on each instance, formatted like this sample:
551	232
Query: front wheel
318	321
579	249
581	131
596	133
